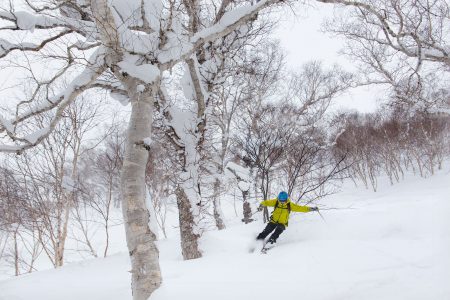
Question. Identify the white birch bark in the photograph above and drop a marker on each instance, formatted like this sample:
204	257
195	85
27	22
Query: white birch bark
144	255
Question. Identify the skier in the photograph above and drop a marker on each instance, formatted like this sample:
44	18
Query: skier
280	217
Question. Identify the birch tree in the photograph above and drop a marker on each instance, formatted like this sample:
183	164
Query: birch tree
186	125
415	28
122	47
401	44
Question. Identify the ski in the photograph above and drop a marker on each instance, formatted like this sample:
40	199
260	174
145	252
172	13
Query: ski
256	244
263	246
266	248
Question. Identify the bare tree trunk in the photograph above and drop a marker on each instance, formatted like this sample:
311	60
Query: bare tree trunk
361	174
247	210
265	210
105	253
144	255
372	178
419	163
59	253
84	229
108	206
16	254
218	216
189	238
34	252
245	190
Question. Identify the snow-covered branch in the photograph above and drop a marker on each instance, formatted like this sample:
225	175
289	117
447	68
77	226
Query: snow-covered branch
229	22
6	47
416	29
78	85
25	21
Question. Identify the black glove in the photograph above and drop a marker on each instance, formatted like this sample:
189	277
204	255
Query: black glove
315	208
260	208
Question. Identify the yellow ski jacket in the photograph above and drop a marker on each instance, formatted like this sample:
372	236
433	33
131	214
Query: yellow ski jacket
281	212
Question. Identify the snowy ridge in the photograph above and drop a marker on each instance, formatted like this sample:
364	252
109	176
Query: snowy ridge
392	244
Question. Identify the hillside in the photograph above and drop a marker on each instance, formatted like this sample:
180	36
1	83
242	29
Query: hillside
392	244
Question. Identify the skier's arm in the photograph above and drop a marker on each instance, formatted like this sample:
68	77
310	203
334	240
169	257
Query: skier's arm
301	208
270	202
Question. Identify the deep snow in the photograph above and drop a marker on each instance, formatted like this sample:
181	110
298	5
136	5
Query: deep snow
393	244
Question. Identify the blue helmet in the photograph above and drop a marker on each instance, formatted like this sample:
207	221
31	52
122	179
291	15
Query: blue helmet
283	196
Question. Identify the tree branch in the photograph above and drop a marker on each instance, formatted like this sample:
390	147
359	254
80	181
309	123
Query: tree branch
80	84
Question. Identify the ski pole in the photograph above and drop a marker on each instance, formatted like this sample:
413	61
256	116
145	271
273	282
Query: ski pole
322	217
337	208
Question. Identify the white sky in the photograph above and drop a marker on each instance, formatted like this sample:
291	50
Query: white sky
302	39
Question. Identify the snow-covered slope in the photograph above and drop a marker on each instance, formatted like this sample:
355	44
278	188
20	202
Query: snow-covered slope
393	244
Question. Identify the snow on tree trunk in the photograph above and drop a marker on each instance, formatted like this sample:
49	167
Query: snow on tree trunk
144	255
190	129
187	191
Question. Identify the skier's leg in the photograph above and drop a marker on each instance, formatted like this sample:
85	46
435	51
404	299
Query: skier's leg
259	242
269	228
278	230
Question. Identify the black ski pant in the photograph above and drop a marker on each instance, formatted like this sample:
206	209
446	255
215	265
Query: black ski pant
279	228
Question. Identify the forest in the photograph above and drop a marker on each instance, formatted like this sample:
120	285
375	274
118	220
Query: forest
155	106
